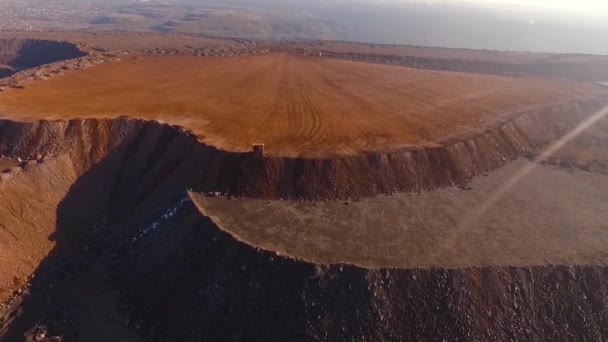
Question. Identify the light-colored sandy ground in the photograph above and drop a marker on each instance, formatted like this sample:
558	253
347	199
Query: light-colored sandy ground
551	216
295	105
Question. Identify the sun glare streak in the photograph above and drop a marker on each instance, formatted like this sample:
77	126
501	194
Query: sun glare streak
549	151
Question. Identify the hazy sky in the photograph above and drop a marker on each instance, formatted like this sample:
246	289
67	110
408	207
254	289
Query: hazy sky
588	6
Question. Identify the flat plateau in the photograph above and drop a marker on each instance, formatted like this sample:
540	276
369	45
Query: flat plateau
297	106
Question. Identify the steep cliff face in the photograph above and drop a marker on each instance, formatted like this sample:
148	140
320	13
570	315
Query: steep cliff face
30	194
246	174
20	54
424	168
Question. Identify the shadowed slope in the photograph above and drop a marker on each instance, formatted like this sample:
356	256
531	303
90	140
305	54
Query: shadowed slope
20	54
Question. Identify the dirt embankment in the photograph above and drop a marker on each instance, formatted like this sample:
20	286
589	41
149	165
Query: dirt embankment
190	281
30	195
250	175
21	54
421	169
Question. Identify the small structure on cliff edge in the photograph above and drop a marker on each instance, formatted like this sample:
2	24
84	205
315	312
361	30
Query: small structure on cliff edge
258	150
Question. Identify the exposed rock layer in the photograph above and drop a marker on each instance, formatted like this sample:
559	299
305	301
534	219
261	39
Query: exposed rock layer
246	174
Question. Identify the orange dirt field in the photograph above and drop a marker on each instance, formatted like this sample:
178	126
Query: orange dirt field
297	106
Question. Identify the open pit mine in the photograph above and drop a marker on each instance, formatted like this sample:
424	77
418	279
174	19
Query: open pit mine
207	189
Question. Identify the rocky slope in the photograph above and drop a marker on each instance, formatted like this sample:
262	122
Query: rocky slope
217	289
21	54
